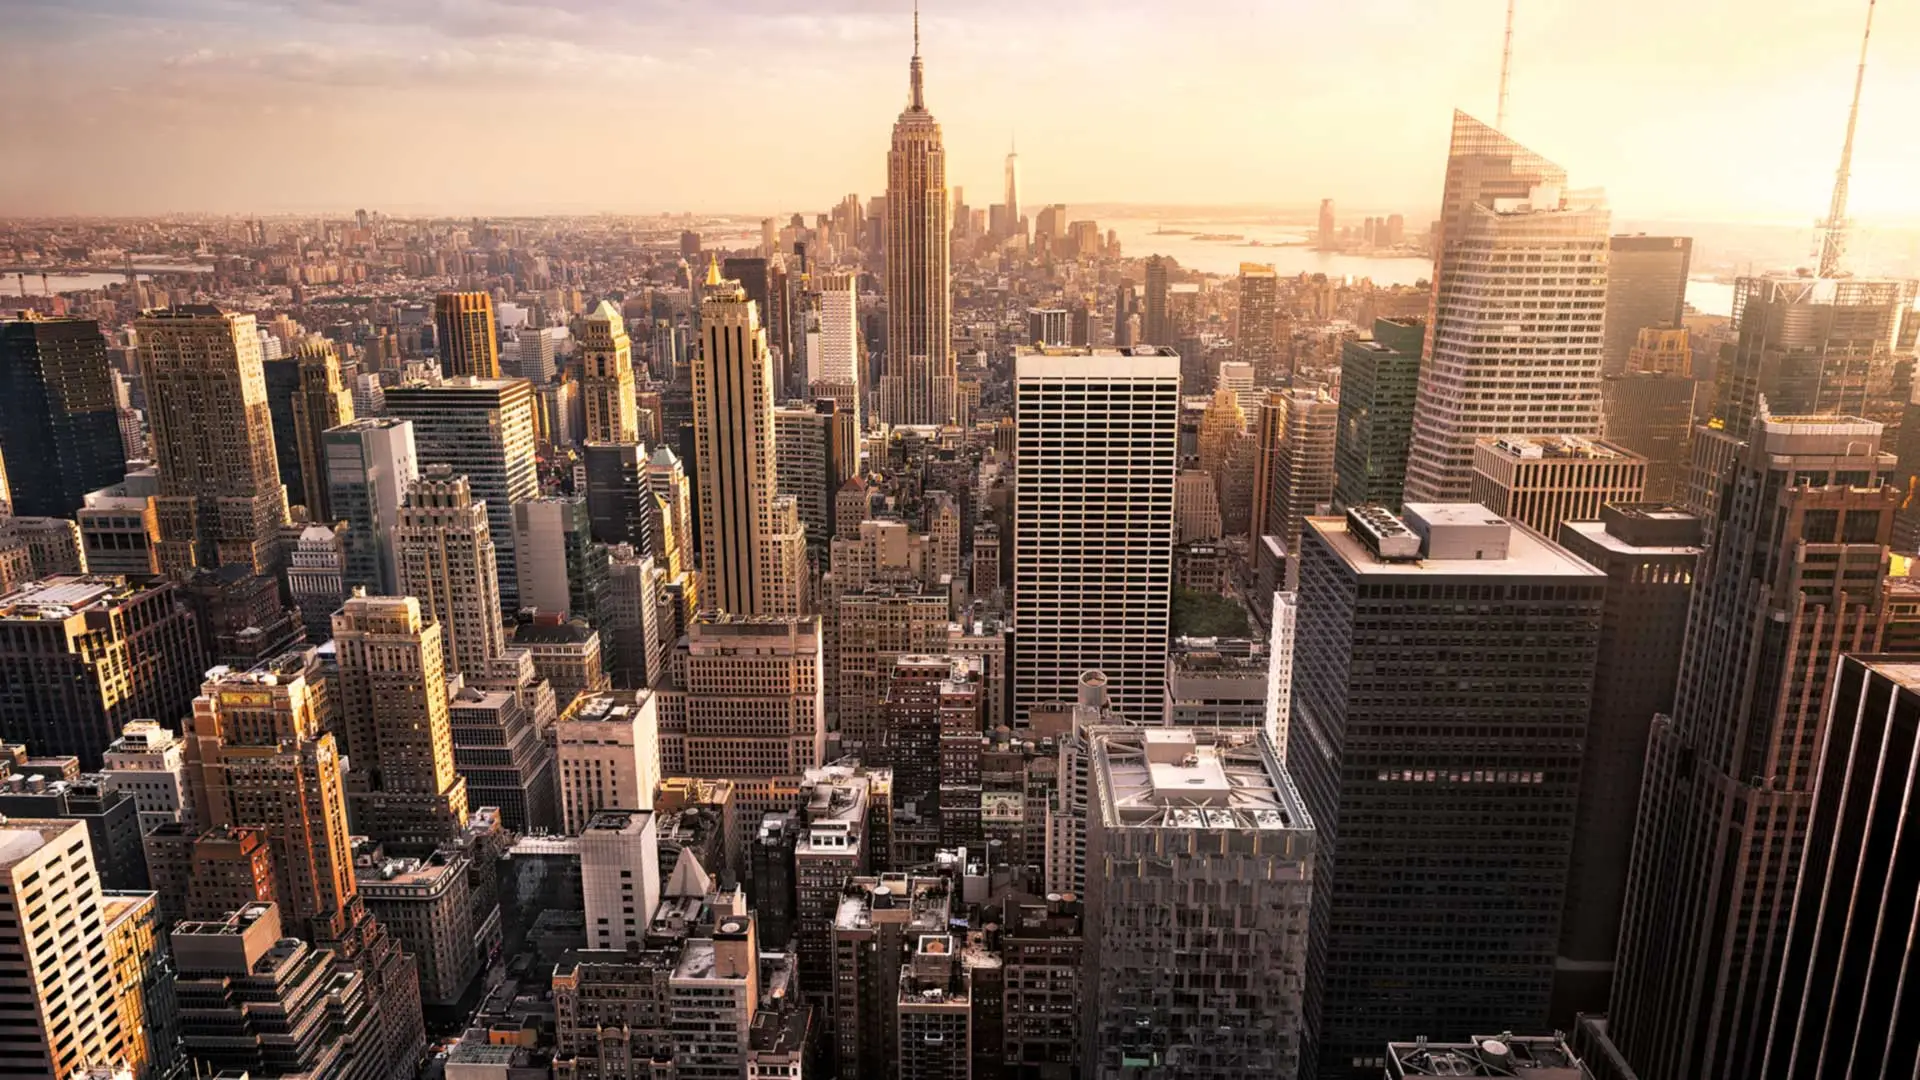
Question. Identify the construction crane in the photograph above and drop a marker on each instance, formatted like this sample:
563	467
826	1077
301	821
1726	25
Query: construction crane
1833	231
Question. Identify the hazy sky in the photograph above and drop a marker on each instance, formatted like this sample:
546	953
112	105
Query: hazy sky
1704	109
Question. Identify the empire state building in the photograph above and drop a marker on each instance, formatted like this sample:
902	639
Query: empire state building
917	382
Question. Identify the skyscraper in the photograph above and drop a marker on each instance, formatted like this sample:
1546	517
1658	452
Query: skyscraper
1325	236
393	705
1303	470
1259	312
833	352
1541	482
220	501
918	385
483	430
1649	553
1379	379
56	976
1812	346
324	401
606	362
1204	829
81	657
1098	452
1646	287
752	545
443	545
815	452
59	420
1794	578
1442	774
1013	184
1517	251
1845	1008
1154	327
469	345
370	464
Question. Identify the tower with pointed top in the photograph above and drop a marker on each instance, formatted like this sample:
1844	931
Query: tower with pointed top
918	384
607	351
1013	187
1516	339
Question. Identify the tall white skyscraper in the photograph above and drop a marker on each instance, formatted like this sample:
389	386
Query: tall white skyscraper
1097	453
833	352
54	972
369	464
1516	343
752	545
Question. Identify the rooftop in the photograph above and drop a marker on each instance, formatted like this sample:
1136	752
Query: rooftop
1507	1055
622	822
607	707
1174	778
1556	448
921	903
21	838
61	596
1524	554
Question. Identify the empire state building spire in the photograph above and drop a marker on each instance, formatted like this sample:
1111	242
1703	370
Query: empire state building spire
919	103
918	384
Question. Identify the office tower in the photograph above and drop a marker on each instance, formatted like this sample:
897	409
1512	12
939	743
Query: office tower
918	385
145	763
529	356
1197	502
764	668
82	657
464	326
257	754
58	980
565	568
483	430
1094	522
841	829
874	623
814	454
220	500
607	755
1646	288
142	990
1652	415
1324	235
1541	482
322	402
241	617
1812	346
1379	379
370	463
755	277
1154	327
1649	553
59	418
565	652
1254	338
251	991
445	554
1046	326
1013	190
369	396
674	537
881	923
910	721
619	875
316	577
426	903
619	506
119	529
611	1010
1843	1008
502	756
606	366
392	694
1303	476
1506	222
1231	846
638	619
1661	352
1793	578
935	1010
112	824
715	994
1227	455
833	356
752	545
1382	639
1216	683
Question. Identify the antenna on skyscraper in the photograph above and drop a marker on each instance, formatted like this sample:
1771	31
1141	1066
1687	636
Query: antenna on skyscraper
1833	233
1506	68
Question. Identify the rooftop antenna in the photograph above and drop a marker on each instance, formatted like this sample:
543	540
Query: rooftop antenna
1506	68
1833	232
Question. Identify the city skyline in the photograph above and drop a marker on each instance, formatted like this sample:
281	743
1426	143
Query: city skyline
356	82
